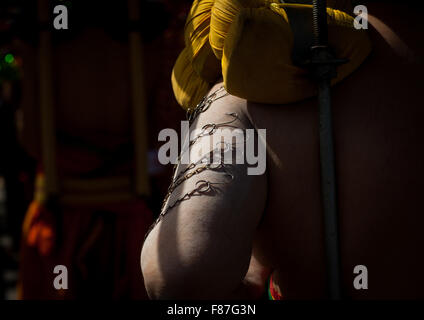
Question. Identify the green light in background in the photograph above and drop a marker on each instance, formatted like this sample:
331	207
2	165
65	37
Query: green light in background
9	58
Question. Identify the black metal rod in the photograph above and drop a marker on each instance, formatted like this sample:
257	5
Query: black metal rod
328	190
319	13
327	158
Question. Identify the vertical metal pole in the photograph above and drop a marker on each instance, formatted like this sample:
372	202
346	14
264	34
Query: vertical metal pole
138	103
328	172
328	189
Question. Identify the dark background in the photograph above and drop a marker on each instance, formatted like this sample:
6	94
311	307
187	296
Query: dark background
91	85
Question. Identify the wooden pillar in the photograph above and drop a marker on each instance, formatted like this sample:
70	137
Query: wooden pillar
48	141
139	109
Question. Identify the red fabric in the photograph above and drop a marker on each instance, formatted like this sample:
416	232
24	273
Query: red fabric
273	291
100	246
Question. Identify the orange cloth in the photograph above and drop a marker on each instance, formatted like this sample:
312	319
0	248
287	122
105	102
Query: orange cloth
100	246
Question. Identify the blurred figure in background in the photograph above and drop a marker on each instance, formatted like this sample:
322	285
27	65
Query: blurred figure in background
95	223
16	170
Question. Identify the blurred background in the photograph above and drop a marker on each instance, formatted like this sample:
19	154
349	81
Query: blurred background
80	113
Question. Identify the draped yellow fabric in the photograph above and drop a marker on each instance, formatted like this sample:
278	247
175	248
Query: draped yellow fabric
189	88
249	43
196	36
224	13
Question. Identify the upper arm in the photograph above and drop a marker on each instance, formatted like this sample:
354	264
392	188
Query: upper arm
202	245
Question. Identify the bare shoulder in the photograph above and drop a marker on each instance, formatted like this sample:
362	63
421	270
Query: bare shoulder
218	103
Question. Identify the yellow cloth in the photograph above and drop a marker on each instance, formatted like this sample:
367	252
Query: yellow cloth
189	88
196	36
249	43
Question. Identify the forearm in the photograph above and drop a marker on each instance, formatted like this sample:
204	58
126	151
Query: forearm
254	283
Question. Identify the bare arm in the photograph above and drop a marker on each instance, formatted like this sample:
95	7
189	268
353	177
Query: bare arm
201	248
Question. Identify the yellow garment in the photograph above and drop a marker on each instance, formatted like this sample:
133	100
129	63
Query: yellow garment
196	36
189	88
224	12
249	43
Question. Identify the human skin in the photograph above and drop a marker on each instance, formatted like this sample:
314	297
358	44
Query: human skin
203	247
